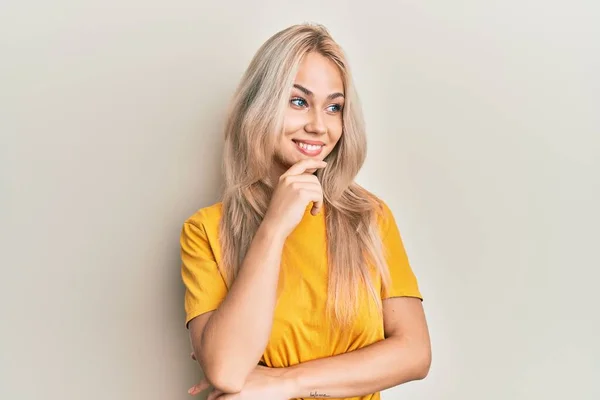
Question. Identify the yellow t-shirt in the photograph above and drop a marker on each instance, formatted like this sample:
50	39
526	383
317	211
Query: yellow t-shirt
300	332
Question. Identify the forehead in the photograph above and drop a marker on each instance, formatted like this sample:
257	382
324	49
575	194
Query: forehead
320	75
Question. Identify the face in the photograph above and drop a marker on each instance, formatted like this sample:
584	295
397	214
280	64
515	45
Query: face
313	118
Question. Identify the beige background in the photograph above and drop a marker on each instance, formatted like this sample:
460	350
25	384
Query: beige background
483	120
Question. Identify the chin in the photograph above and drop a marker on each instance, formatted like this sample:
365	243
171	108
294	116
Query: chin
294	157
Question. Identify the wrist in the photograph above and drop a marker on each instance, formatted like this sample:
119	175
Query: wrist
271	231
291	383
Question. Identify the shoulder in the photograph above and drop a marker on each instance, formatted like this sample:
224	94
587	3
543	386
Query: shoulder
206	218
383	213
380	212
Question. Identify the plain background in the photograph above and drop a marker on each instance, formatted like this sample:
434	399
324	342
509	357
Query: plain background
483	122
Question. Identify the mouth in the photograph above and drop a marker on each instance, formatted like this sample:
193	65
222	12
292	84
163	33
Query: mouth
309	147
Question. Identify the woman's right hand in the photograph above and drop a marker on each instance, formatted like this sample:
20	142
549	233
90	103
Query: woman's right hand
295	189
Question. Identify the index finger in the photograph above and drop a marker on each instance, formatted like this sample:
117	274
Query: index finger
301	166
199	387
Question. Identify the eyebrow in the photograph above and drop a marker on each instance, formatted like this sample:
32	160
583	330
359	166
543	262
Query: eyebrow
310	94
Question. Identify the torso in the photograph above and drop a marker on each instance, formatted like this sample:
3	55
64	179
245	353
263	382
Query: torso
301	329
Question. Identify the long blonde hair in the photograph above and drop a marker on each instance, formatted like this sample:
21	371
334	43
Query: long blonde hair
255	121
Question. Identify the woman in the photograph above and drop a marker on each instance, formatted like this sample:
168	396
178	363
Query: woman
297	283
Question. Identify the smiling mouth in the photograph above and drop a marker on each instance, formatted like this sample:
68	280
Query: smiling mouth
311	149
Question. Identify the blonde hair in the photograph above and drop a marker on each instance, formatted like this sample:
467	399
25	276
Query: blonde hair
255	121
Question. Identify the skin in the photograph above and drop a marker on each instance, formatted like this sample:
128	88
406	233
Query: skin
228	362
315	116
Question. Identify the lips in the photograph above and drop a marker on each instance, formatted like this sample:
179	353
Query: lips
309	147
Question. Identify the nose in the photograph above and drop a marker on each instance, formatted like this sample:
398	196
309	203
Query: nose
316	124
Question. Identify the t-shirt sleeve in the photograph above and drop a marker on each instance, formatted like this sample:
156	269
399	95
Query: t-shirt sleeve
204	285
403	282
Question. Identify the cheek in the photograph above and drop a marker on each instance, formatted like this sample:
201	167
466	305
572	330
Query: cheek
336	129
292	123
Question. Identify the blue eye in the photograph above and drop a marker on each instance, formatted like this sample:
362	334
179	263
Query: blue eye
298	102
336	108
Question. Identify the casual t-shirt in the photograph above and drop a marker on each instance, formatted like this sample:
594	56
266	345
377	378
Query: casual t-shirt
301	330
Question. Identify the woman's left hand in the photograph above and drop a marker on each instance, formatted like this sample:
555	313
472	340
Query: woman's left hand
262	383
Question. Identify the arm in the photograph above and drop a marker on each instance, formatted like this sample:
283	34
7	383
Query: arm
405	355
229	341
